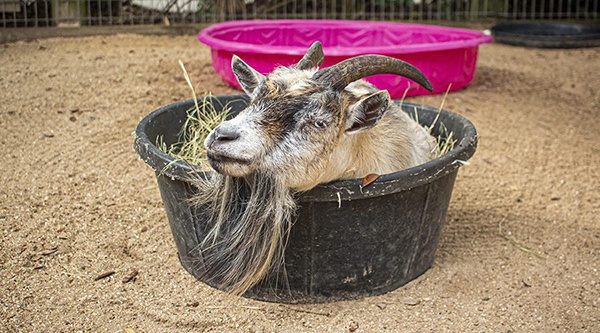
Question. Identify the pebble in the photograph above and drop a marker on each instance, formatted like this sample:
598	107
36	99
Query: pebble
410	302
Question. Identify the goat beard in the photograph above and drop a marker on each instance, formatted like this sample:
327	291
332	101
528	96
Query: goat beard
249	223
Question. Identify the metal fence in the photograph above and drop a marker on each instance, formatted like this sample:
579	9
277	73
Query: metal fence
42	13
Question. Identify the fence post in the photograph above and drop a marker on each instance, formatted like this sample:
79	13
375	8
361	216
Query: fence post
68	13
474	10
496	8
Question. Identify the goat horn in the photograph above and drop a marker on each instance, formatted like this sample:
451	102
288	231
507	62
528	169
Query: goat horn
313	57
342	74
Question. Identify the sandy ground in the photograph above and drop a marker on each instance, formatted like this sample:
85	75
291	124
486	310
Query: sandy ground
75	201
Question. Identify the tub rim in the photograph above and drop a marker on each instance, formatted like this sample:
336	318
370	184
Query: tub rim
339	190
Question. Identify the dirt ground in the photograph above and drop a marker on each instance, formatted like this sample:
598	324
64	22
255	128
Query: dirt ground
75	201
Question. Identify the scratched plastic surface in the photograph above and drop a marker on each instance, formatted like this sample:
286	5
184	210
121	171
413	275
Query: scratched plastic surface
447	56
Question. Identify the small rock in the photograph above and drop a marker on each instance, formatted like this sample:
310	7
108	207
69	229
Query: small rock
353	326
381	305
485	299
193	304
144	229
525	283
555	198
48	135
41	48
48	246
410	302
2	217
72	118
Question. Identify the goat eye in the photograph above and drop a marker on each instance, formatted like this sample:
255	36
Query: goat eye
320	124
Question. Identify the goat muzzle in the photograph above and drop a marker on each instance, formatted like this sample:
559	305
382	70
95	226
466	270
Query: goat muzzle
226	133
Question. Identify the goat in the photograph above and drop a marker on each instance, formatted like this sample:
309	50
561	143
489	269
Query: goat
301	127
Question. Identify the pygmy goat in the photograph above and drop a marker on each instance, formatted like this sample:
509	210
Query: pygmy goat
302	127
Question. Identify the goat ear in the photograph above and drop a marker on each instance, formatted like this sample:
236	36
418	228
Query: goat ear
247	76
367	113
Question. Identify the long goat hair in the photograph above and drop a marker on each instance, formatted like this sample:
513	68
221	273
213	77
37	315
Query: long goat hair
249	220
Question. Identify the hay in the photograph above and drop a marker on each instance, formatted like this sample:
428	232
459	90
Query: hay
200	121
444	140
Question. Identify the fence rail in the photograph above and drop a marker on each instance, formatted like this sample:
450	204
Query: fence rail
40	13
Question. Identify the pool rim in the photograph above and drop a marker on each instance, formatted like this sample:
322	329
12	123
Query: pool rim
205	36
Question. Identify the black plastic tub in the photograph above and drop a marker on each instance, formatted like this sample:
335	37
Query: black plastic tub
547	34
345	243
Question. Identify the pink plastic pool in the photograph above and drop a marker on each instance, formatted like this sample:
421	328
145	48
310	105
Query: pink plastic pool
445	55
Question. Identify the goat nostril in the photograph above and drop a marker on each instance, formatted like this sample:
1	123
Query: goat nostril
226	134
